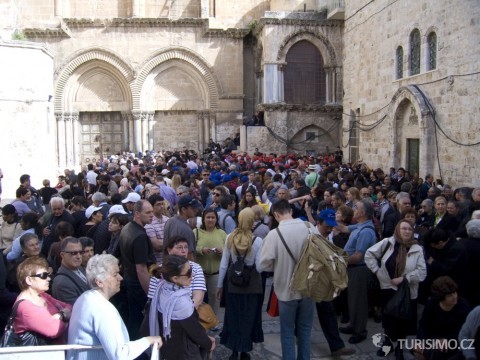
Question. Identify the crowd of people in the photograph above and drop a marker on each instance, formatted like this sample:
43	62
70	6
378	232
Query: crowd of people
162	230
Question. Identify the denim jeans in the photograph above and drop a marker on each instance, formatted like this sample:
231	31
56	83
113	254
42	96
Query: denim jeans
296	319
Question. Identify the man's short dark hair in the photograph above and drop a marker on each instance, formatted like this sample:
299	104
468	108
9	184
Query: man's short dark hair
69	240
86	241
339	196
226	200
24	177
21	191
282	207
434	236
153	199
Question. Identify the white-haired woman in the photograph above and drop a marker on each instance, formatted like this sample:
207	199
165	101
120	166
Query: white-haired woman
97	322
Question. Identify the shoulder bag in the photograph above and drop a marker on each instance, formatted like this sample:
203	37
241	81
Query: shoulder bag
28	338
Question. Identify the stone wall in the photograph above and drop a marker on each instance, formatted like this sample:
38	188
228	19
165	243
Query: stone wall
28	138
370	40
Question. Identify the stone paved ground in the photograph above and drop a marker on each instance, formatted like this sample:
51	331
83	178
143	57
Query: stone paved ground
270	349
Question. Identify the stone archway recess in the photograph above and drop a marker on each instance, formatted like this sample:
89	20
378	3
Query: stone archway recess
426	128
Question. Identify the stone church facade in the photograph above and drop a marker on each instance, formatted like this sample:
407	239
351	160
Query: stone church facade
132	75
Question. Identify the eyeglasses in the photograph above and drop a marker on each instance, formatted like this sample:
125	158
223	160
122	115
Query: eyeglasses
42	275
216	194
188	274
180	193
180	247
205	174
74	253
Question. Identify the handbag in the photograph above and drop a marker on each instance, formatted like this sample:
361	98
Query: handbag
272	306
207	316
28	338
144	329
399	304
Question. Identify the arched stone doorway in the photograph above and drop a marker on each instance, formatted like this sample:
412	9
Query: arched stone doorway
312	140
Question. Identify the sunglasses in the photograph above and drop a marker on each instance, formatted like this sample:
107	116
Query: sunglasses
188	274
216	194
75	253
43	275
180	193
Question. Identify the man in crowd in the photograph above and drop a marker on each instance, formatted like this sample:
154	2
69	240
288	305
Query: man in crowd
71	280
59	213
136	254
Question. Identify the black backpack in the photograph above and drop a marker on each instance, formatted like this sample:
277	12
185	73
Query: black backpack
239	273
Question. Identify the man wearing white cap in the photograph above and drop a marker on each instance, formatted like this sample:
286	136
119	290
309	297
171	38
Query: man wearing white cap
130	201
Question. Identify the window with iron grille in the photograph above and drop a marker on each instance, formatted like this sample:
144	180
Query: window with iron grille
415	52
399	62
304	78
432	51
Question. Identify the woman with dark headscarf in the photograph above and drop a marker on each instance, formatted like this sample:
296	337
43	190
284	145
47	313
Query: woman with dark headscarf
394	260
243	314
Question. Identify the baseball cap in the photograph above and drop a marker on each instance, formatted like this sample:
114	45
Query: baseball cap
90	210
131	197
328	216
165	171
186	201
116	209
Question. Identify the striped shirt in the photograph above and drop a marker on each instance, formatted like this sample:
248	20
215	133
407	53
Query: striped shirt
198	281
155	230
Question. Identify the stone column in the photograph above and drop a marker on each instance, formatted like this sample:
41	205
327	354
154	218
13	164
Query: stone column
137	132
273	83
58	8
61	140
150	132
127	120
76	140
243	138
327	85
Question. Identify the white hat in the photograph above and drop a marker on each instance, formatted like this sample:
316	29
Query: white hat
131	197
90	210
116	209
165	171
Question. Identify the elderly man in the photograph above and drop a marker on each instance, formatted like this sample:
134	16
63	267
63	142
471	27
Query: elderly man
70	281
392	215
361	238
136	254
59	213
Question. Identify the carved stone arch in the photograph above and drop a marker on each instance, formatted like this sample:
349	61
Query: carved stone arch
429	30
180	54
105	58
415	97
316	38
322	138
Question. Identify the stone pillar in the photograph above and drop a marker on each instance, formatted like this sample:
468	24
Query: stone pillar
334	85
243	138
76	140
205	9
273	83
58	8
144	141
327	85
61	141
137	132
150	132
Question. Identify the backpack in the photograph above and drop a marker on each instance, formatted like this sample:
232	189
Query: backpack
239	273
321	270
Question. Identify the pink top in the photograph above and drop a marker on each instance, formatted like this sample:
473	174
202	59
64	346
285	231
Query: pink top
31	317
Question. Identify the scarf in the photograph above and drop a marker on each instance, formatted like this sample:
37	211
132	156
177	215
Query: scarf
241	237
401	259
173	302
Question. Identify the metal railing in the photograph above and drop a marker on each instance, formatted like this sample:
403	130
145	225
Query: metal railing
49	352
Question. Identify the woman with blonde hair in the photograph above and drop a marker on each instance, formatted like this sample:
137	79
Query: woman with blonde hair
353	196
243	314
176	181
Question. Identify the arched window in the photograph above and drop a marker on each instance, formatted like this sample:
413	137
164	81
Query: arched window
415	52
432	51
304	78
399	62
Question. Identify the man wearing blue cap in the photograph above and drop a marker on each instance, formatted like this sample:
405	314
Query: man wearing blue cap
327	316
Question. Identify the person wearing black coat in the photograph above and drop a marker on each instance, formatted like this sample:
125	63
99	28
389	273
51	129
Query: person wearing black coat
472	248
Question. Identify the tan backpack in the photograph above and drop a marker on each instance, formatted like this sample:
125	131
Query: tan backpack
321	271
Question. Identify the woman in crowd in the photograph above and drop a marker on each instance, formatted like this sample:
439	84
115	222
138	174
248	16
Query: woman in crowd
95	321
248	198
87	248
116	223
442	318
39	312
178	322
210	239
353	196
10	228
343	216
394	260
243	313
260	225
29	225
